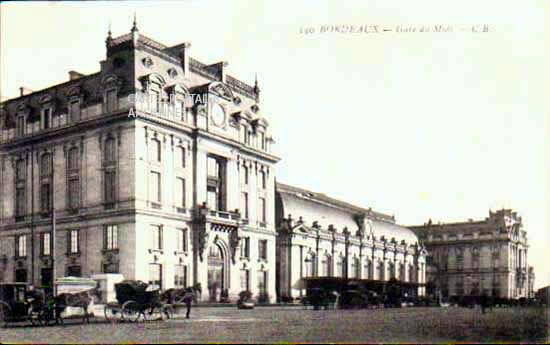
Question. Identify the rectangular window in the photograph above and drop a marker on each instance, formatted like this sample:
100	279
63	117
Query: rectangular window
45	197
155	275
180	157
212	197
262	282
74	241
110	187
263	211
180	192
155	150
244	204
110	237
216	183
111	100
263	180
47	112
20	172
155	187
246	136
245	247
21	246
20	201
20	126
213	167
262	138
73	159
262	249
155	100
74	111
74	193
245	280
156	240
244	178
180	276
21	276
181	238
46	244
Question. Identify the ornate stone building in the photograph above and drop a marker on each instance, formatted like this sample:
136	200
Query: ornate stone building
158	167
318	236
476	257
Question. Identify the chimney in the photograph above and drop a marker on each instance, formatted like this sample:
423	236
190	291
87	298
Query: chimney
184	55
24	91
75	75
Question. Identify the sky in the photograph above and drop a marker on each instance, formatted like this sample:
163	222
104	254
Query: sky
440	125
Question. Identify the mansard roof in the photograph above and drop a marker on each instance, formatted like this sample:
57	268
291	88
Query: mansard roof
89	86
313	207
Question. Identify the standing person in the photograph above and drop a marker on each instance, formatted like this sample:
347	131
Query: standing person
188	299
483	303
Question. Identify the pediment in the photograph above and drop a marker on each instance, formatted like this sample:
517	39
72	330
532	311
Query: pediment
221	90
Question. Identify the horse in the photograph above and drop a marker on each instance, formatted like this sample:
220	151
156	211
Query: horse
173	296
79	299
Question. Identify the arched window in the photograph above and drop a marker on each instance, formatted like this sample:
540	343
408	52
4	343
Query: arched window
411	273
355	268
46	165
109	150
340	267
368	270
381	274
392	270
326	266
310	265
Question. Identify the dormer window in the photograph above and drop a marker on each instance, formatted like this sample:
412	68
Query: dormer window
20	128
46	117
111	100
74	110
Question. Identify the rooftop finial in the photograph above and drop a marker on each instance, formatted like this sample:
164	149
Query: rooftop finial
134	27
109	34
256	87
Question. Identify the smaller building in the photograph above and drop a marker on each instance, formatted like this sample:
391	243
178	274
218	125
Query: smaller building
318	236
479	257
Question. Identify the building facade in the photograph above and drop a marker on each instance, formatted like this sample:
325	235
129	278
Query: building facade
479	257
318	236
158	167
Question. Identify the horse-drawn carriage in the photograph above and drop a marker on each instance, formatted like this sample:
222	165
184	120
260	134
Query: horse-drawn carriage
135	300
18	303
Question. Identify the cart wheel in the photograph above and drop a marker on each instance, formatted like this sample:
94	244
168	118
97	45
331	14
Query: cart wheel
5	312
35	319
44	317
130	311
112	314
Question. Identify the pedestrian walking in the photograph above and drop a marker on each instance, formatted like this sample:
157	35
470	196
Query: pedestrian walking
188	299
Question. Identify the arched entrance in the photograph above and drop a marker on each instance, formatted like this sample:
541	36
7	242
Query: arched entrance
216	272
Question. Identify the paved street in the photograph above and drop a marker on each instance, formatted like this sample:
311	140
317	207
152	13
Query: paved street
274	324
